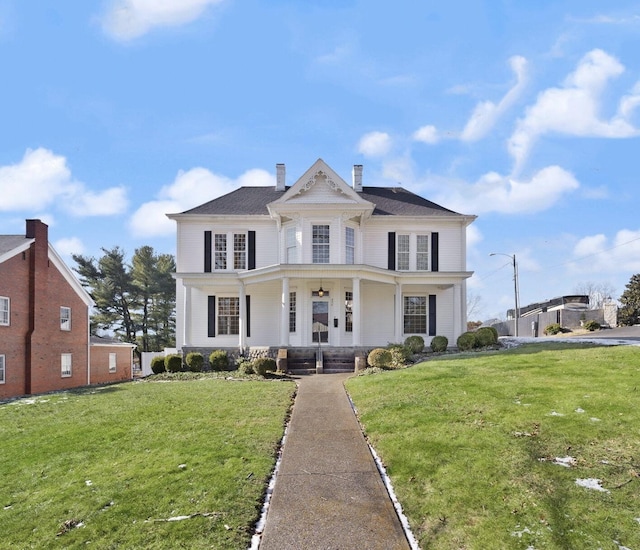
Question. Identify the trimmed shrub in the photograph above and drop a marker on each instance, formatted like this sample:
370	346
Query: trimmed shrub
173	363
553	328
415	343
468	341
486	337
439	343
195	361
219	360
592	325
157	364
264	364
379	357
400	355
244	366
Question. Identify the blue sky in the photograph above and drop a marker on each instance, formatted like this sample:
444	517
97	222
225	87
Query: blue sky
526	114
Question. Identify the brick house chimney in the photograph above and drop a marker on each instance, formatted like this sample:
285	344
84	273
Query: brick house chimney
280	177
357	178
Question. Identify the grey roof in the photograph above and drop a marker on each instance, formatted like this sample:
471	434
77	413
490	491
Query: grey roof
389	201
9	242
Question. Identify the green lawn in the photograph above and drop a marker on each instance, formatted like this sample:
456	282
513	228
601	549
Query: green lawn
107	467
470	442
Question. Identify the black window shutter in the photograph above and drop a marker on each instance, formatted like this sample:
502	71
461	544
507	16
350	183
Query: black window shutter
391	251
434	251
248	315
252	250
211	317
432	314
207	251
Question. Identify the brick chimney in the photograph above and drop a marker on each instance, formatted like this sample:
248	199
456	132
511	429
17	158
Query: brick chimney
280	177
357	178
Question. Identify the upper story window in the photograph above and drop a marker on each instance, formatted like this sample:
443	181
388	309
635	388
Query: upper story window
65	318
292	246
239	251
412	252
350	245
320	243
230	249
4	311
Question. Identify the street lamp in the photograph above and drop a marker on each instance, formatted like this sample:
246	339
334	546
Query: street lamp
515	287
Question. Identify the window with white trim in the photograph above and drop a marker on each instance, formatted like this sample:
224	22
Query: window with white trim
113	362
239	251
65	365
65	318
292	245
220	250
348	311
292	311
4	311
350	245
2	369
402	249
320	244
415	314
422	252
228	315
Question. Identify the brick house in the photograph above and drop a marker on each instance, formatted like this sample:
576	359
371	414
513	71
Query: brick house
111	360
44	317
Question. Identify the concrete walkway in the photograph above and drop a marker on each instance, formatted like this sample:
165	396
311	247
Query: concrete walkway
328	493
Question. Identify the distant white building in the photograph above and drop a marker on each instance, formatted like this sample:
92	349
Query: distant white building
319	263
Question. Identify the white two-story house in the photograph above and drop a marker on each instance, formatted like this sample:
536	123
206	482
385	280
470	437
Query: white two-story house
319	263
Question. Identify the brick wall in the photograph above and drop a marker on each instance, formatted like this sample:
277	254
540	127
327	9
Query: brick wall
100	364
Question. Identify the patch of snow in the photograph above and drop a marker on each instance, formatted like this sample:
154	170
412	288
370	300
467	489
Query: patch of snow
594	419
620	546
637	519
554	413
519	534
178	518
591	483
579	410
567	461
88	483
182	466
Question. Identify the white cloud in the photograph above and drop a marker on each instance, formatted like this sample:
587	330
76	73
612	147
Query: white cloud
128	19
474	236
487	113
494	192
574	108
427	134
42	179
375	144
620	254
69	246
189	189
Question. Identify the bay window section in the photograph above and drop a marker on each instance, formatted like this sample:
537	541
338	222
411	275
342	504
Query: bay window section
320	244
350	245
292	311
415	314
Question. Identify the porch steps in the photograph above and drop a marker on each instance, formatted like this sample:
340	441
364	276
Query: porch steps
334	360
338	360
301	361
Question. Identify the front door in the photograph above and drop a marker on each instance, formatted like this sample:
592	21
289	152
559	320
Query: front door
320	322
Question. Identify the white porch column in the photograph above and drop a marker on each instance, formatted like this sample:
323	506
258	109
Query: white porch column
242	332
357	313
398	313
186	321
459	316
284	313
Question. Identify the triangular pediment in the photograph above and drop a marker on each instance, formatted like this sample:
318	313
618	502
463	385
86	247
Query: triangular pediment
320	187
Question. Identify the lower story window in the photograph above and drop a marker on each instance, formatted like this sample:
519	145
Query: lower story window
229	316
348	311
415	314
2	369
292	311
112	362
65	364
